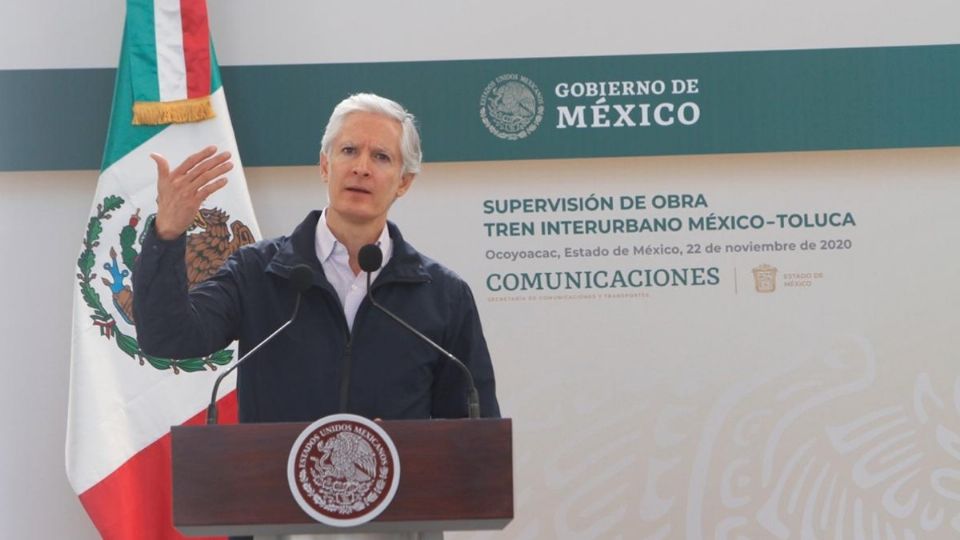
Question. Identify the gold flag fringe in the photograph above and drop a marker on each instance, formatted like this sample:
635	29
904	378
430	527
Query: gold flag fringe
172	112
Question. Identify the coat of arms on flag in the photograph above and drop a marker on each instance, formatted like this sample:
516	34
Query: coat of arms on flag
168	100
209	243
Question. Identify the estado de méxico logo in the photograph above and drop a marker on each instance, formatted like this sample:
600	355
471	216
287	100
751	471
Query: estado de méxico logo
511	106
211	239
765	278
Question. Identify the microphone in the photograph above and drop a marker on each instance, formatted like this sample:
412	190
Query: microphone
370	259
301	277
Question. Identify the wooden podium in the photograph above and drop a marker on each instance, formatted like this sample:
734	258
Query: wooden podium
232	480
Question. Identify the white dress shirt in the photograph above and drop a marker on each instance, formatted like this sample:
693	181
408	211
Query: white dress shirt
351	288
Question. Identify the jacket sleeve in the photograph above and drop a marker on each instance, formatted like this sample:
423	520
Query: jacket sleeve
467	343
172	320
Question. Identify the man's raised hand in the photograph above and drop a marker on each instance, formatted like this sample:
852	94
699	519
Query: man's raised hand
180	192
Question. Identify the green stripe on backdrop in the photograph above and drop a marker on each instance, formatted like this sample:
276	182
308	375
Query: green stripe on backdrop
53	119
766	101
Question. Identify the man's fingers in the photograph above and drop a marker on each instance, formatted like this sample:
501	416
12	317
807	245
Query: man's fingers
209	169
199	176
211	188
193	159
163	167
210	173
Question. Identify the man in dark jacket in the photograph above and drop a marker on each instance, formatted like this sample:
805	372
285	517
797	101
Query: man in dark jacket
370	155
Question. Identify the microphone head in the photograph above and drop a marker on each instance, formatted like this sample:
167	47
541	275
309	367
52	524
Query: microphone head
301	277
370	258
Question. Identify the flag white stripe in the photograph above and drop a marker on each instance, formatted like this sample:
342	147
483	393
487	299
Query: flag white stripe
171	64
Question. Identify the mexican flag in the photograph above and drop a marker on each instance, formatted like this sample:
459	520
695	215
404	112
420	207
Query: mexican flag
168	99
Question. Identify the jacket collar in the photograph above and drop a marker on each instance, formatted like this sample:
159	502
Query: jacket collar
405	265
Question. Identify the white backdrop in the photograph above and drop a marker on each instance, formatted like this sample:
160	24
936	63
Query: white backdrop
693	412
713	412
86	33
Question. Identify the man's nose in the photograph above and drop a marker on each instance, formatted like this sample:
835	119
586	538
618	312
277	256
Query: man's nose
361	165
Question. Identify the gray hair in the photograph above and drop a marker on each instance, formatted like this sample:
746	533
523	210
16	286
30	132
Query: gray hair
372	103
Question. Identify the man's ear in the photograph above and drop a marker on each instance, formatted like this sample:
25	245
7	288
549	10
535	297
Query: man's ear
405	182
324	167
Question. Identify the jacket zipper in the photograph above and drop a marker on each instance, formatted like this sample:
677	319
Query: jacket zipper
345	376
347	353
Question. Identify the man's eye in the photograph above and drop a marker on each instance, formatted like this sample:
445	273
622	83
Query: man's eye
347	150
382	157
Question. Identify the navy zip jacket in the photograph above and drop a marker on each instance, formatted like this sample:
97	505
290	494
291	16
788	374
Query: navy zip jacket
296	377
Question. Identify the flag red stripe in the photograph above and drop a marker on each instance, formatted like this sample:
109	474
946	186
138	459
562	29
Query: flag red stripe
196	46
135	500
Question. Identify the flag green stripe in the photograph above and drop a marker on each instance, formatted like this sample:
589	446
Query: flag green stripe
140	49
122	135
215	81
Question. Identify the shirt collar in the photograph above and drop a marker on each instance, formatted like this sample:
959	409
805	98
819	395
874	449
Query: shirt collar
326	242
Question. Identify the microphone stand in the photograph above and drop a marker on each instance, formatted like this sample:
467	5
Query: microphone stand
473	398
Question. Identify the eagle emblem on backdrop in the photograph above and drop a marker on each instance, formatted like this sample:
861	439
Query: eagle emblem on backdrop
211	239
511	106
